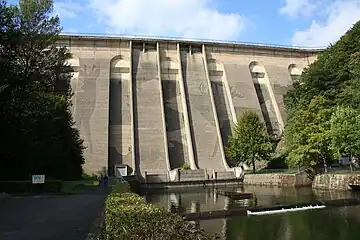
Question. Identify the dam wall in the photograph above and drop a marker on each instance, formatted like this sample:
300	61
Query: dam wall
151	106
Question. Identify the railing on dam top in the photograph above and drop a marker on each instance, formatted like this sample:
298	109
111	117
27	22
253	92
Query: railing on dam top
142	37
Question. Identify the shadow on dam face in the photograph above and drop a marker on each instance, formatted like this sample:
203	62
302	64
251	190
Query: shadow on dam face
176	147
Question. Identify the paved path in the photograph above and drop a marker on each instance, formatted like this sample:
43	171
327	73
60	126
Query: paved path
65	217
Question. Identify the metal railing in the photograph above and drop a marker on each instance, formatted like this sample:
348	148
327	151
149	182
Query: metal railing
140	37
273	171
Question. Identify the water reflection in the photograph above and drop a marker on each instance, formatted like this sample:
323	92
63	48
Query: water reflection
330	223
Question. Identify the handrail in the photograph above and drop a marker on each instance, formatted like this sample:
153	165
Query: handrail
134	37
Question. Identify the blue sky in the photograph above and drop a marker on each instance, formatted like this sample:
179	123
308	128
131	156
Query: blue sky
308	23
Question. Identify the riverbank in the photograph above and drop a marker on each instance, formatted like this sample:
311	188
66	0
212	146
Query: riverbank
331	181
278	179
336	181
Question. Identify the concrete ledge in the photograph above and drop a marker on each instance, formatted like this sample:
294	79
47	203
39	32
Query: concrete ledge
336	181
200	183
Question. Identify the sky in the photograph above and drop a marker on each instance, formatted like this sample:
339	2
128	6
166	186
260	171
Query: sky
305	23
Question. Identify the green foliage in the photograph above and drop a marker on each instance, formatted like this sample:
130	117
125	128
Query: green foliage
278	161
307	134
186	167
332	76
345	132
38	136
250	141
312	135
128	216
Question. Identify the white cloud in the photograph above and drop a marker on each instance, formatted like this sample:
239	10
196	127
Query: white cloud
340	16
294	8
66	8
177	18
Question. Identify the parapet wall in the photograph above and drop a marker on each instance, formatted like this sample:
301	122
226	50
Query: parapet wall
336	181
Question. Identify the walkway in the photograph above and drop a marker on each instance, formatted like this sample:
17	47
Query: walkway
50	217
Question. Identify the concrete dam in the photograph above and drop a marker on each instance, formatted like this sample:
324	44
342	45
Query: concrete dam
151	106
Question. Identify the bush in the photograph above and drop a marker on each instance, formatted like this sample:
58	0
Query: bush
186	167
128	216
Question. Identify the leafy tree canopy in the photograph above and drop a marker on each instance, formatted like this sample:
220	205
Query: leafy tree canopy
335	75
36	125
250	140
345	132
314	134
307	134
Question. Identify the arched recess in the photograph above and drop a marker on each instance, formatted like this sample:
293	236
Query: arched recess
295	72
119	65
221	93
120	127
257	70
267	101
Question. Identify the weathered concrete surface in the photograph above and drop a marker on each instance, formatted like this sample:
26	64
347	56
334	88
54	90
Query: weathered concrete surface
280	80
336	181
120	111
174	115
205	139
222	104
242	88
149	134
50	217
108	72
289	180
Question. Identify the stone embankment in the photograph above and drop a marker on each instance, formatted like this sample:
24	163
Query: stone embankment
278	179
336	181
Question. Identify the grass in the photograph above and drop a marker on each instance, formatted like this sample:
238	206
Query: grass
80	186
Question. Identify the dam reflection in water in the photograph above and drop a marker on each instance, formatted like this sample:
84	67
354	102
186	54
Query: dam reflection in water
329	223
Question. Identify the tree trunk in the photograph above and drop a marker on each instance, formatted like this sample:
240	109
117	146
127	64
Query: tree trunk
351	164
253	163
325	165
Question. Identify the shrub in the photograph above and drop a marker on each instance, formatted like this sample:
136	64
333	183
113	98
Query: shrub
128	216
186	167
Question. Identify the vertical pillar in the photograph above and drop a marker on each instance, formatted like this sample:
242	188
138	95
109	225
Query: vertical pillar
162	108
217	126
229	97
186	114
132	109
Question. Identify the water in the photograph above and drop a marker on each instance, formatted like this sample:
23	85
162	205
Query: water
323	224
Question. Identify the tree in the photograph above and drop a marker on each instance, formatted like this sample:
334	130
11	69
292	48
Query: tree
331	75
307	135
37	129
250	140
345	132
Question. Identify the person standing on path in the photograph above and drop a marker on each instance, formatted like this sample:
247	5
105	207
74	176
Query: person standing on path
105	180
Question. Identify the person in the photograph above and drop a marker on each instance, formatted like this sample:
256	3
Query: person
105	180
